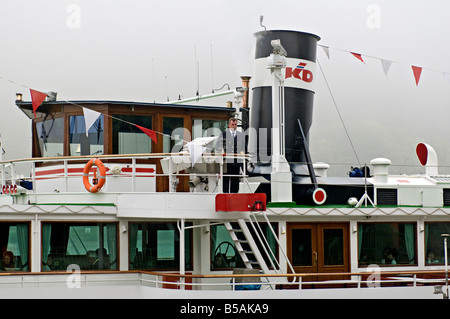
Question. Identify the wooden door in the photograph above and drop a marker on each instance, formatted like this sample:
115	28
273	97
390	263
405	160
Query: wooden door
319	248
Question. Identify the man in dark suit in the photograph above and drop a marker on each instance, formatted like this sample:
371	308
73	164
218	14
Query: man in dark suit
233	142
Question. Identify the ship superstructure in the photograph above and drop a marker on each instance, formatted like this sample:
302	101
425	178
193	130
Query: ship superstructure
132	204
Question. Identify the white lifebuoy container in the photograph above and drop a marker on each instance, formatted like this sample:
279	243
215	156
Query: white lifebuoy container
319	196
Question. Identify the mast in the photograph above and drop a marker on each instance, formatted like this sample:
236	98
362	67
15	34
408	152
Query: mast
281	178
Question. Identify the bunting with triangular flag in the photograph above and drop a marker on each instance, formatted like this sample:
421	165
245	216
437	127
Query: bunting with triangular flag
386	64
148	132
358	56
36	99
327	51
90	116
196	151
417	70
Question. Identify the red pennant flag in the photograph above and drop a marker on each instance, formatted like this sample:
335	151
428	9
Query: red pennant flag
417	70
150	133
36	99
358	56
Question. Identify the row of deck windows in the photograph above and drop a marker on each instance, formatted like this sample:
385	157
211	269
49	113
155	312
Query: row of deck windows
126	137
155	246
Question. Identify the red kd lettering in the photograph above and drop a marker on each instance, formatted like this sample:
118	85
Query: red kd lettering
307	76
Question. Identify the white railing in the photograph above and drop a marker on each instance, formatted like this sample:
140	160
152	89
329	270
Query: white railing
9	166
287	281
161	280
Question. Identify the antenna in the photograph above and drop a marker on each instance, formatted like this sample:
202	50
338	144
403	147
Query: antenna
261	18
198	78
197	66
153	71
167	89
212	70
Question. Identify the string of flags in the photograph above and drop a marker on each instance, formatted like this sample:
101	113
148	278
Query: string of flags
90	116
386	64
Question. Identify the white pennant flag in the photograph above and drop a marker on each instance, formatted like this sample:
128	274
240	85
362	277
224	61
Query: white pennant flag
386	64
327	51
90	117
198	146
195	150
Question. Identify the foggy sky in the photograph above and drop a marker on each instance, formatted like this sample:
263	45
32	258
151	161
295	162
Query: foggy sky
139	50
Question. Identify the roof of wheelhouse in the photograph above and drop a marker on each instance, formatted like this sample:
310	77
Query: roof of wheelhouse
26	106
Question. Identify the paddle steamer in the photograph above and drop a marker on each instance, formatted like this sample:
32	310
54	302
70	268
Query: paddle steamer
106	211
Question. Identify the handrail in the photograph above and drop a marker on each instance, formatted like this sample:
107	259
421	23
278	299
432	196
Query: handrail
132	157
115	156
161	278
209	276
367	273
291	268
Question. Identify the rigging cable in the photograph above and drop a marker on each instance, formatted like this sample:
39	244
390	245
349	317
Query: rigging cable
339	113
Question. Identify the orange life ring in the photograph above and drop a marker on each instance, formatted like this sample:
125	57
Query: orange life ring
101	180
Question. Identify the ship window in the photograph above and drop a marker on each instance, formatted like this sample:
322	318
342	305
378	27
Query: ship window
82	144
434	242
156	246
207	128
88	245
165	249
129	139
15	246
173	138
50	133
387	244
224	254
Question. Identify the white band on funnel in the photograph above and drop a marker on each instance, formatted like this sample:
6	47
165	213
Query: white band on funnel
298	73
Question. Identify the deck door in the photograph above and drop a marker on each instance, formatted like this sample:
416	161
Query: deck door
319	248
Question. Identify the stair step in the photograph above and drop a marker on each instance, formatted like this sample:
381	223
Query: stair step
246	245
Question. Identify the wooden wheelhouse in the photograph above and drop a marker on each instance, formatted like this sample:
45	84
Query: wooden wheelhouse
58	129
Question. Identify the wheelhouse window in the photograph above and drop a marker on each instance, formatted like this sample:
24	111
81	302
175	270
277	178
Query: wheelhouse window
127	138
387	243
82	143
91	246
207	128
173	138
156	246
434	243
14	242
50	133
224	254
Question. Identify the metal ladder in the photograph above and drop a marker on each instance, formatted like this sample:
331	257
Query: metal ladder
246	245
248	249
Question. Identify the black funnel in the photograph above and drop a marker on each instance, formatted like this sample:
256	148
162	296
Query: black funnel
300	75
